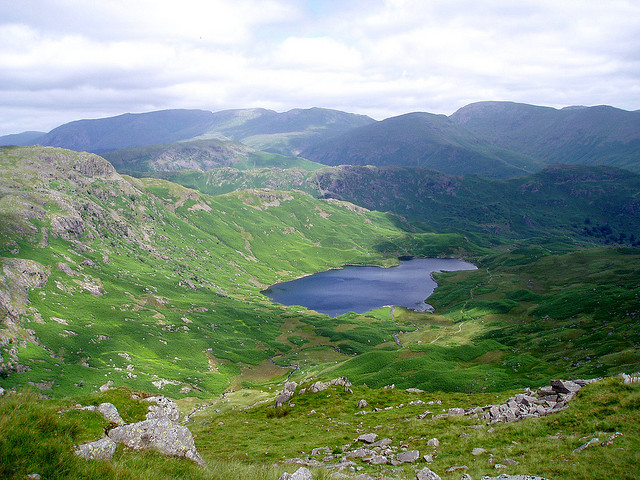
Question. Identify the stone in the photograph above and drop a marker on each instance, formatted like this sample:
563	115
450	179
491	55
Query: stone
34	476
427	474
361	403
106	386
384	442
102	449
320	451
611	439
290	387
378	460
562	386
110	412
593	441
414	390
465	476
361	452
283	398
499	466
318	387
509	461
164	407
1	391
456	468
433	442
367	437
504	476
428	458
160	434
301	473
408	456
456	411
478	451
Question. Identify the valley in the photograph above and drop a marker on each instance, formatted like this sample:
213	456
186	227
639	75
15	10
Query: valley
143	277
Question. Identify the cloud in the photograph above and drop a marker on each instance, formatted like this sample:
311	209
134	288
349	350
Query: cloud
379	57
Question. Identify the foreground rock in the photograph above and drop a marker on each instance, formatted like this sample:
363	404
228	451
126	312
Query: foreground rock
427	474
102	449
158	432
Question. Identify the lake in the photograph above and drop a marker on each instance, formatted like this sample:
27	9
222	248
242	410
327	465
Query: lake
361	289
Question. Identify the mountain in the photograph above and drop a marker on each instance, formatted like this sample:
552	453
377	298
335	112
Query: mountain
199	155
21	139
421	140
600	135
282	133
286	133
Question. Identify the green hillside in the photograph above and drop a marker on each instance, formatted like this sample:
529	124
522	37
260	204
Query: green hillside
199	155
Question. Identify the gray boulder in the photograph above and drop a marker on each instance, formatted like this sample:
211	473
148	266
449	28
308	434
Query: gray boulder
367	437
427	474
302	473
164	407
160	434
102	449
378	460
562	386
110	412
361	403
408	457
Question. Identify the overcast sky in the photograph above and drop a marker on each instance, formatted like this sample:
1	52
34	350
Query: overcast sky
63	60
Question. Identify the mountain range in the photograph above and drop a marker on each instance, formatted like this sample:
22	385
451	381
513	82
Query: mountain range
493	139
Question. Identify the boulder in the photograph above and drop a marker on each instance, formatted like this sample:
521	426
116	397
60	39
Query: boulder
160	434
478	451
102	449
562	386
408	457
427	474
367	437
504	476
456	411
433	442
361	403
164	407
377	460
110	412
290	387
318	387
361	452
302	473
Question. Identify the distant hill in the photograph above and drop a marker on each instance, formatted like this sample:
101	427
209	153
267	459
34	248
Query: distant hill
199	155
286	133
21	139
493	139
421	140
600	135
128	130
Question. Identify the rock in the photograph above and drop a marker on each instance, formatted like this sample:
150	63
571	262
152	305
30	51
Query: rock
319	451
384	442
562	386
378	460
361	403
464	435
318	387
504	476
434	442
160	434
408	457
611	439
456	468
508	461
478	451
367	437
593	441
361	452
102	449
106	386
302	473
283	398
456	411
110	412
1	391
290	387
499	466
414	390
427	474
164	407
428	458
465	476
34	476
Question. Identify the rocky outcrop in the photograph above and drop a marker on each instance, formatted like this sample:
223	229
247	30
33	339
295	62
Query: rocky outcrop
302	473
287	392
504	476
544	401
159	432
321	386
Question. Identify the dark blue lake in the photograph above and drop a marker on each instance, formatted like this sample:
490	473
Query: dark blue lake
361	289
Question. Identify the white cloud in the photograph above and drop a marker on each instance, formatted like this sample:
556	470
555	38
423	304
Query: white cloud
376	57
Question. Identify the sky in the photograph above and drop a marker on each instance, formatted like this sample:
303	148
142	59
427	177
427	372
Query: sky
64	60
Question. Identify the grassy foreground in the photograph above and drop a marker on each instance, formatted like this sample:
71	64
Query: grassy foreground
239	441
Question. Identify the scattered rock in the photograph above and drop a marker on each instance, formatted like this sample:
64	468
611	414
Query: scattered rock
102	449
367	437
34	476
361	403
478	451
301	473
377	460
414	390
106	386
427	474
611	439
428	458
408	457
434	442
504	476
593	441
455	469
